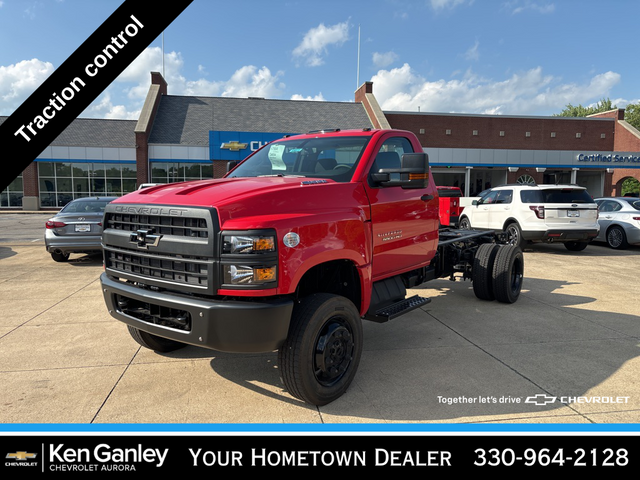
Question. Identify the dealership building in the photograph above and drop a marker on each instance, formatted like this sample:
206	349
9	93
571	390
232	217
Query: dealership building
179	138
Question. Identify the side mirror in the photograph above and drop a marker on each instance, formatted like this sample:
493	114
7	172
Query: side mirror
413	172
231	164
475	202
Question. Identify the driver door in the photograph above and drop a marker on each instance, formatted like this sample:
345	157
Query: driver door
404	220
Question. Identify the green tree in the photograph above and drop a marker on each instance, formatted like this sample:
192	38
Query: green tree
631	186
632	114
580	111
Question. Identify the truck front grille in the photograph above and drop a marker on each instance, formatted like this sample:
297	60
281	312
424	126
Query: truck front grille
165	225
163	246
179	270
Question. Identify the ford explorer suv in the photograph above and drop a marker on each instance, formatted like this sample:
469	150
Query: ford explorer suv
536	213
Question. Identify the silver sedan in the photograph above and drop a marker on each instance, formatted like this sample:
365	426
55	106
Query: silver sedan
77	228
619	219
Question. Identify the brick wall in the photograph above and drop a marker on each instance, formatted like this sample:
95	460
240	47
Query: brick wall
519	133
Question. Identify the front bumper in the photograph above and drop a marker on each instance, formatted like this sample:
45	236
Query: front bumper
223	325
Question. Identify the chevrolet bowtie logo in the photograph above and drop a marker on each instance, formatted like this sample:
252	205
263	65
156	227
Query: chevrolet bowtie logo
540	399
234	146
144	238
21	455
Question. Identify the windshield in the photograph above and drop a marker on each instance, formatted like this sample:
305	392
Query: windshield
325	157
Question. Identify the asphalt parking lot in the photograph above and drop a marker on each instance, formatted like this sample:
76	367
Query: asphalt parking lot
566	353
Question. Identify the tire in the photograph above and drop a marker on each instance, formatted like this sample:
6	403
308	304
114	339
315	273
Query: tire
464	224
508	273
482	271
59	257
575	246
154	342
616	238
322	351
514	235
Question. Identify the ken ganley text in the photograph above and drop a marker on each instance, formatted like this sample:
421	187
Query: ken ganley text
59	100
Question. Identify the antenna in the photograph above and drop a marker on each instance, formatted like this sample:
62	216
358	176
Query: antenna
163	55
358	68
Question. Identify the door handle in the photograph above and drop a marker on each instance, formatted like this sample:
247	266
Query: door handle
426	198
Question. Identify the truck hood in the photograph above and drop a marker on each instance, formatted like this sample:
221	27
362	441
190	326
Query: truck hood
236	198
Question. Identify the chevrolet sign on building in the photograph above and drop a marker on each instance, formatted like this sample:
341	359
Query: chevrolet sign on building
238	145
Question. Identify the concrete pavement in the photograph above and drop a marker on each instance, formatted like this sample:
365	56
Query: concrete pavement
566	353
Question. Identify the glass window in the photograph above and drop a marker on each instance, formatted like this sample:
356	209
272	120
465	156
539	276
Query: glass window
504	196
80	169
556	195
489	197
320	157
63	169
46	169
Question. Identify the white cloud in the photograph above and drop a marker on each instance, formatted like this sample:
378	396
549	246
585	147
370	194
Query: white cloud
382	60
314	45
473	53
520	6
530	92
316	98
442	4
19	80
125	97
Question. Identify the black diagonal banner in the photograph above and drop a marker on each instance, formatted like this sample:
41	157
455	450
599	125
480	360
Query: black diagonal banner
80	79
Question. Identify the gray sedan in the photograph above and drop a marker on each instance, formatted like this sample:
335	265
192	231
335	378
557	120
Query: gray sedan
619	219
77	228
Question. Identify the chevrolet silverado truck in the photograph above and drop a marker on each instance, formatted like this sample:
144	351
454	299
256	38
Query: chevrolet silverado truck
290	251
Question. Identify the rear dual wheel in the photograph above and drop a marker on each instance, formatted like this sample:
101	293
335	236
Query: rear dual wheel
498	272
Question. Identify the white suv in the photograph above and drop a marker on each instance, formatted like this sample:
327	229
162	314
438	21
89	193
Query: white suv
538	213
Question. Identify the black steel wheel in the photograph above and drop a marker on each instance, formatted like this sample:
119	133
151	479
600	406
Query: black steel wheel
482	271
154	342
320	356
464	224
508	273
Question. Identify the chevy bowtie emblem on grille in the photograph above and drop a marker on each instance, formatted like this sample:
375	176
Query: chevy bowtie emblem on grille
234	146
145	238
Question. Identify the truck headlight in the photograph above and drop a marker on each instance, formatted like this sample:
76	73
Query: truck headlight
249	275
249	244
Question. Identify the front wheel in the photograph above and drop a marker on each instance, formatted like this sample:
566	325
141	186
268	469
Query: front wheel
154	342
320	356
464	224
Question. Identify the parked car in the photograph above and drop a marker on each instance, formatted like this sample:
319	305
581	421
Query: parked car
76	228
536	213
449	205
619	221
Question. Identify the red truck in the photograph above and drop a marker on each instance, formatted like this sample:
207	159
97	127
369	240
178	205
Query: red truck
290	251
450	207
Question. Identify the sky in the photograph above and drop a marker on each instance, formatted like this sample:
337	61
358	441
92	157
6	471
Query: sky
499	57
